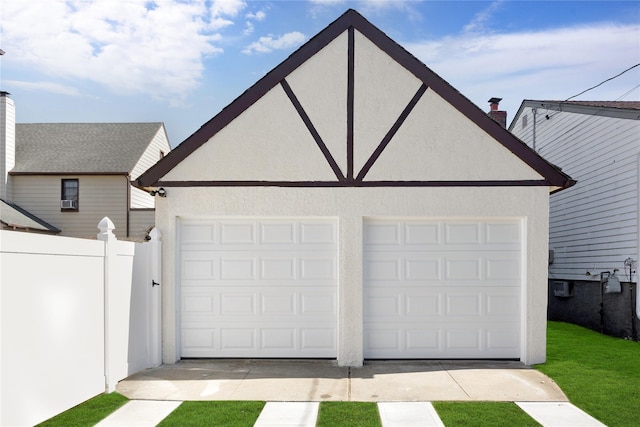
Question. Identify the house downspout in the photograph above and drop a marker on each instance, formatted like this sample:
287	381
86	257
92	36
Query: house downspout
128	178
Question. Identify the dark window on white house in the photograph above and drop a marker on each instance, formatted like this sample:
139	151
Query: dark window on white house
524	121
69	195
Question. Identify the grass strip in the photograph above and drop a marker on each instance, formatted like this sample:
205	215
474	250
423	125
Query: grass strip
348	414
598	373
214	413
88	413
482	414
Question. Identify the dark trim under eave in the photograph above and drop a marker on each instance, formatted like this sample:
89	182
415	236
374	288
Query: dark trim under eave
354	183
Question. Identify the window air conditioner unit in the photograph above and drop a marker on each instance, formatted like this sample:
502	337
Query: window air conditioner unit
68	204
561	288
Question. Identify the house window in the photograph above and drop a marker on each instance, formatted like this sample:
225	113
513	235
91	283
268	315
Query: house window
69	195
524	121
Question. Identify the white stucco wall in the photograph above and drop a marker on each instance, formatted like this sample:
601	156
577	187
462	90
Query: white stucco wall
269	142
352	206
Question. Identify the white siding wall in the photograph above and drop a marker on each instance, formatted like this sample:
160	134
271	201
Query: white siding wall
141	221
140	199
99	196
593	225
7	145
160	143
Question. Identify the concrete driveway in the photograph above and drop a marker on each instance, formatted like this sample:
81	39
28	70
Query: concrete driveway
323	380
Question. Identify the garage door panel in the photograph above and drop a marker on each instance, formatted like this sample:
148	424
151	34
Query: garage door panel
503	339
452	267
199	338
464	338
383	306
463	304
199	304
462	233
456	340
382	234
442	288
318	268
269	340
416	234
232	339
383	340
421	340
383	270
277	266
317	303
259	288
197	233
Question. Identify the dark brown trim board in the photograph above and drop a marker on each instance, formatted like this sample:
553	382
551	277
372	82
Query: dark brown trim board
314	133
387	138
351	61
351	21
354	183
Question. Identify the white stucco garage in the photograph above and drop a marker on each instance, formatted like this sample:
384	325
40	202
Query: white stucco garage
349	205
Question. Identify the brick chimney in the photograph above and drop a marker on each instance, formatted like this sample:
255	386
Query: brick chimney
497	115
7	143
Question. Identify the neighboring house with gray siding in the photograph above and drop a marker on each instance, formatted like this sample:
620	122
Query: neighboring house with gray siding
593	226
71	175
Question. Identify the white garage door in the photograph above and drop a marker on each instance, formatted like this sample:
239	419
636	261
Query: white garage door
258	288
442	289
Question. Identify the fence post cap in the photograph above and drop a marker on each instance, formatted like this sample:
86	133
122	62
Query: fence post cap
106	226
155	234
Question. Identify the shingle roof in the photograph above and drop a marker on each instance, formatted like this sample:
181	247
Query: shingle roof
13	216
633	105
629	110
110	148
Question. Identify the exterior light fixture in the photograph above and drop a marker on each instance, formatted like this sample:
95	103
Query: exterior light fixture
160	192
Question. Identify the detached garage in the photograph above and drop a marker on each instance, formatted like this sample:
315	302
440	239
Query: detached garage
349	205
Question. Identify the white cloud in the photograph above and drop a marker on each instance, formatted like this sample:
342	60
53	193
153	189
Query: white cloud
258	16
552	64
249	26
479	22
135	46
44	87
268	43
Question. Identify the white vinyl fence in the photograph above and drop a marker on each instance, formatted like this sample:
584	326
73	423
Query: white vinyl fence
76	317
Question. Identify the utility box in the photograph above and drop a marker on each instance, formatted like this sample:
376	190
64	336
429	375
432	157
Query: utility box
612	285
561	288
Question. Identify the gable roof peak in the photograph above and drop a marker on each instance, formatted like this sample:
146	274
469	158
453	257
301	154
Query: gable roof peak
352	21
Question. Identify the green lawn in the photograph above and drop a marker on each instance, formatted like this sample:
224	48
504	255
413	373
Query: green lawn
214	413
482	414
348	414
88	413
599	374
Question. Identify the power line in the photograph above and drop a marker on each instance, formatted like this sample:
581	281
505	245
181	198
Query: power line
603	82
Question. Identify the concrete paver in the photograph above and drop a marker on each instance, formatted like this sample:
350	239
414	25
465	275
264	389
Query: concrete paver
288	414
410	381
322	380
138	413
559	414
408	414
502	382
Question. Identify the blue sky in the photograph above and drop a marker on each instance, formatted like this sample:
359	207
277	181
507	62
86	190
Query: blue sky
181	61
